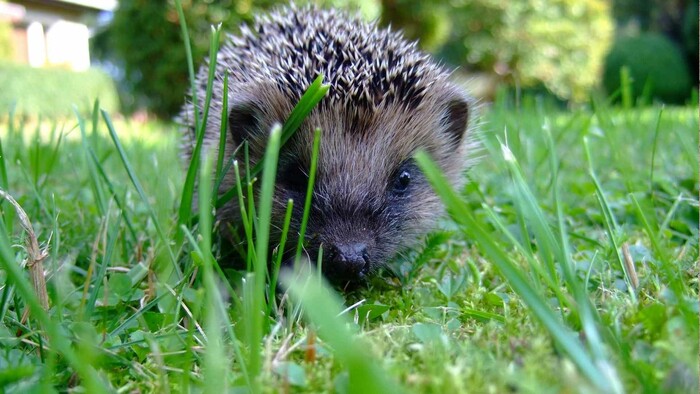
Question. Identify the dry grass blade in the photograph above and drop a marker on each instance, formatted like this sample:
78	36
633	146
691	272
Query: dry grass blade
35	256
629	264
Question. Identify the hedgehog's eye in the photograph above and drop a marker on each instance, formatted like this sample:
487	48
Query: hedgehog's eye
402	179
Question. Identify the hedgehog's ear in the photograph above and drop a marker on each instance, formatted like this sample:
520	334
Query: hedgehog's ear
456	118
244	121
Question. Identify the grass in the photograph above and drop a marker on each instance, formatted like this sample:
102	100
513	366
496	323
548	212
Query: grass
573	249
569	265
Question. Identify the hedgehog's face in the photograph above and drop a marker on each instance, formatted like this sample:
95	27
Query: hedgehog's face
370	198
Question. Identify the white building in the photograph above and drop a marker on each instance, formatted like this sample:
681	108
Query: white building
53	32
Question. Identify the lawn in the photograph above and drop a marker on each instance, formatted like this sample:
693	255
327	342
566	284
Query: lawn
570	266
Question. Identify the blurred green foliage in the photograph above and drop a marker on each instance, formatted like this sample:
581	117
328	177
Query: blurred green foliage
5	39
553	45
677	20
145	41
558	44
655	64
690	34
53	92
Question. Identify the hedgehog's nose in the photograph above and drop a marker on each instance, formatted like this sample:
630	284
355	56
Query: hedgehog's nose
348	260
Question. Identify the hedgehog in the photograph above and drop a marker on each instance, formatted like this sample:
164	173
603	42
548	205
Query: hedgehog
386	100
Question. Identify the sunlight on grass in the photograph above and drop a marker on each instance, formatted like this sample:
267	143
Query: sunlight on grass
537	222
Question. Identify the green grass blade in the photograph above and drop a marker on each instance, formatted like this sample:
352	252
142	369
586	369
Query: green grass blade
538	305
3	169
185	211
261	246
527	206
322	306
280	251
311	97
223	132
165	241
214	40
672	275
95	185
588	315
4	185
245	220
309	193
95	122
529	255
130	321
188	54
611	226
626	87
54	333
112	191
221	310
216	363
112	237
654	145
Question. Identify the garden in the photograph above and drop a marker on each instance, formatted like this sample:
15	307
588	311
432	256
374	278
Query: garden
568	262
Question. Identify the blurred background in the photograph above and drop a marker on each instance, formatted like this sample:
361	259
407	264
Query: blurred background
130	54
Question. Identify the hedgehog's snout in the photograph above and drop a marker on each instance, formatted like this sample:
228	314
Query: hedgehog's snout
347	243
347	261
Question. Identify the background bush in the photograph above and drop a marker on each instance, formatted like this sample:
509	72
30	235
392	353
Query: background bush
145	42
690	37
559	44
676	20
651	59
53	92
556	46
